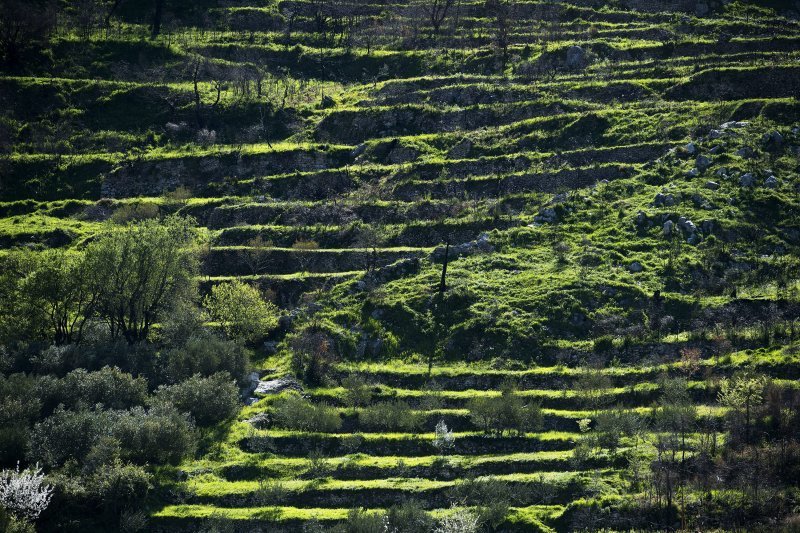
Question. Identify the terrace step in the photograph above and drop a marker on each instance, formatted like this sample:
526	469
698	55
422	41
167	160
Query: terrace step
431	467
529	489
232	261
297	444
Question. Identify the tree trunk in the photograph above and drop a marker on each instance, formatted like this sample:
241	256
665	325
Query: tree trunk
157	14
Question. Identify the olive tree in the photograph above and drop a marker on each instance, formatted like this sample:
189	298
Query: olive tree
140	272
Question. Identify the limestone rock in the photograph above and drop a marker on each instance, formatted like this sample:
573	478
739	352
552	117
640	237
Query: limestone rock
576	58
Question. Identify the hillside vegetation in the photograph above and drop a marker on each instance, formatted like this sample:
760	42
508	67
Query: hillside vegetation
421	265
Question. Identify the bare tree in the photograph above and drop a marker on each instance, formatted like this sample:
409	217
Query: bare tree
23	24
436	11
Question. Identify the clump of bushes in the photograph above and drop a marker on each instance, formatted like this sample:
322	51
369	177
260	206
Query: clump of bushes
505	413
392	415
292	411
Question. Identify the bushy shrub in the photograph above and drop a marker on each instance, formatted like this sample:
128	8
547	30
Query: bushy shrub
119	486
241	310
205	355
208	400
161	435
362	521
313	354
603	344
108	386
408	517
507	412
392	415
357	392
19	409
292	411
66	435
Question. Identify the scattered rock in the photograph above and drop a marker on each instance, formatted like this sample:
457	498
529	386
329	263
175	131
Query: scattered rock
481	245
693	239
667	200
460	150
576	58
713	185
547	215
398	269
641	218
714	134
703	163
772	141
668	228
327	102
275	386
734	124
745	152
691	149
747	180
259	421
687	225
693	173
358	150
715	150
635	267
771	182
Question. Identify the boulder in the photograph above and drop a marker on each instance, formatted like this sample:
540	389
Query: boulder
772	140
667	200
576	58
276	386
714	134
703	163
460	150
547	215
693	173
358	150
746	152
747	180
635	267
668	228
691	149
734	124
687	225
771	182
481	245
713	185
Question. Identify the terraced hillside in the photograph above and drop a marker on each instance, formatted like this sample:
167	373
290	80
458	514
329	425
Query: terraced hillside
565	207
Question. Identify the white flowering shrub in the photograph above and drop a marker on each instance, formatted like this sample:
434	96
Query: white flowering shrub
23	492
443	438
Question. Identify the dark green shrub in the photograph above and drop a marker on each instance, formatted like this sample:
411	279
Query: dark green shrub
357	392
205	355
208	400
108	386
603	344
161	435
66	435
292	411
362	521
409	517
507	412
393	415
